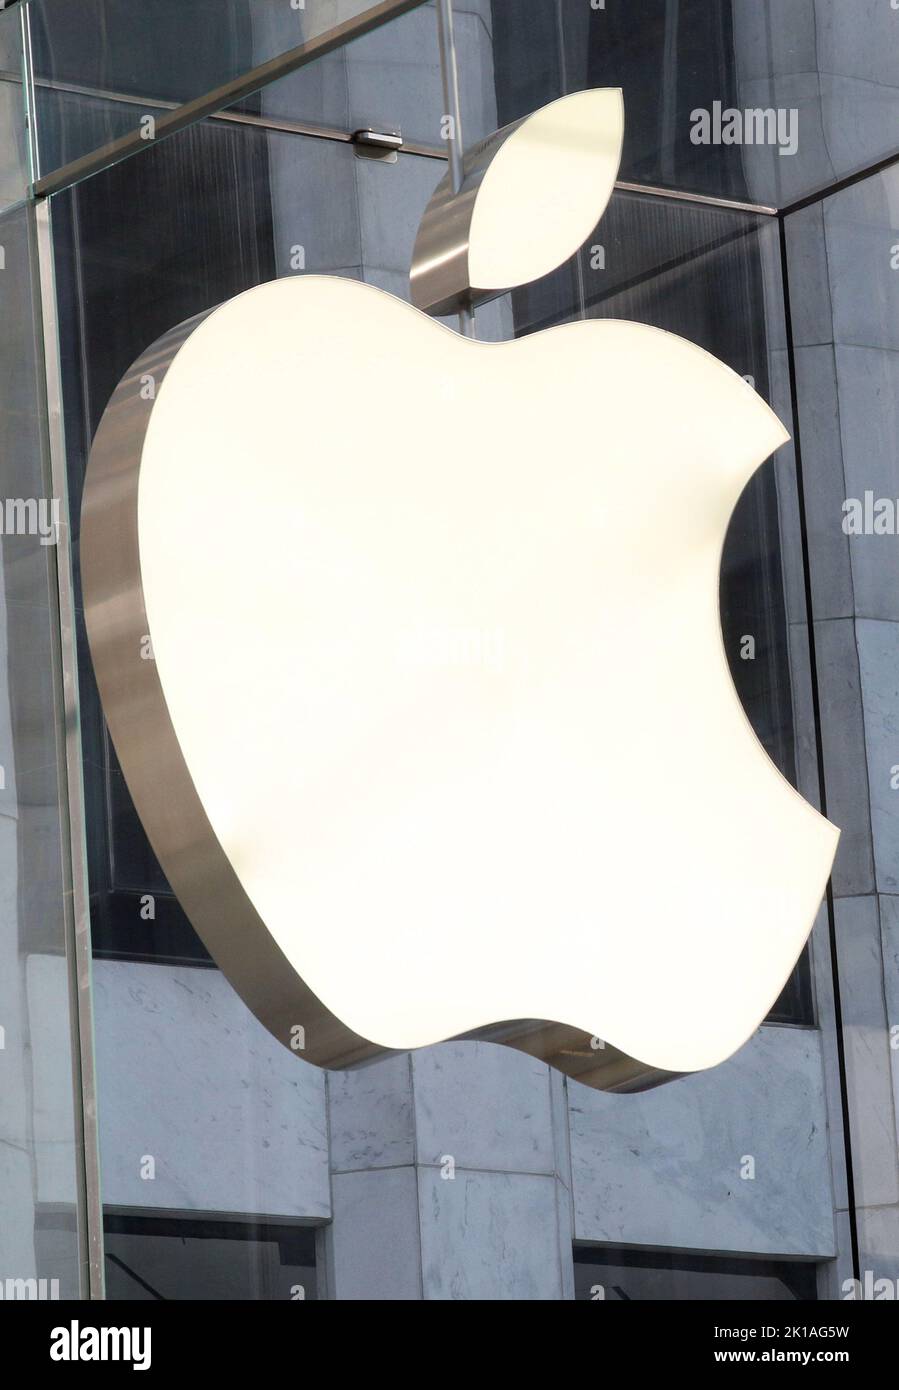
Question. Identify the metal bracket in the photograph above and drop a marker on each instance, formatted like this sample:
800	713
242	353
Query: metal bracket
377	144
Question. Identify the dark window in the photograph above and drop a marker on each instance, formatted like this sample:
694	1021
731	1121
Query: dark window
618	1273
200	1257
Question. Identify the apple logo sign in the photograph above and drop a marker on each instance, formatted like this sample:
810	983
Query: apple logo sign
426	711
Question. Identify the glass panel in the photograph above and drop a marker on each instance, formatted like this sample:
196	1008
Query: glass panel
14	164
389	80
620	1274
826	71
201	1111
843	258
199	1257
154	58
40	1147
233	206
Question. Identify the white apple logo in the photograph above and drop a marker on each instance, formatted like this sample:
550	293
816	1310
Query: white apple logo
440	732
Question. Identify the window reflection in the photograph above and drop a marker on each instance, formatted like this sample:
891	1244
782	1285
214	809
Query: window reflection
195	1256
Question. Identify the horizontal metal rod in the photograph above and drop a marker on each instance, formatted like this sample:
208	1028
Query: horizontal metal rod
705	199
283	124
67	174
225	95
315	131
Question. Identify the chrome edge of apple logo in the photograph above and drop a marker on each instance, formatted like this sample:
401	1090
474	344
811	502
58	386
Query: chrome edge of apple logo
462	258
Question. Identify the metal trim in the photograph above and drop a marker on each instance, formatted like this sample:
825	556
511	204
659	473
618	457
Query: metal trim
28	83
278	124
451	185
320	132
226	94
72	813
704	199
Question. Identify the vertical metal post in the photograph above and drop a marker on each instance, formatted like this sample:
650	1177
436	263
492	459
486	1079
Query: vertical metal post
31	141
72	817
450	75
563	91
669	89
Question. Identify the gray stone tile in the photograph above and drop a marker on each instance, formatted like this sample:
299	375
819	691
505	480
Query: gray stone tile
17	1253
832	1274
494	322
867	1052
845	765
482	9
663	1168
15	1061
30	677
392	198
14	176
565	1222
477	85
868	385
232	1119
878	1245
393	77
810	307
824	485
767	245
774	179
822	978
558	1099
371	1116
28	563
860	119
773	38
490	1236
805	742
889	940
784	466
878	652
857	40
389	280
486	1106
18	347
53	1116
314	203
861	229
317	93
373	1251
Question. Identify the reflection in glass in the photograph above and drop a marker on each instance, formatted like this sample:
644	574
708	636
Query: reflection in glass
622	1275
827	70
141	60
199	1257
14	161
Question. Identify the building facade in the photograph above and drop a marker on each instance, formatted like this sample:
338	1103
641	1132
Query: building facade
155	1140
